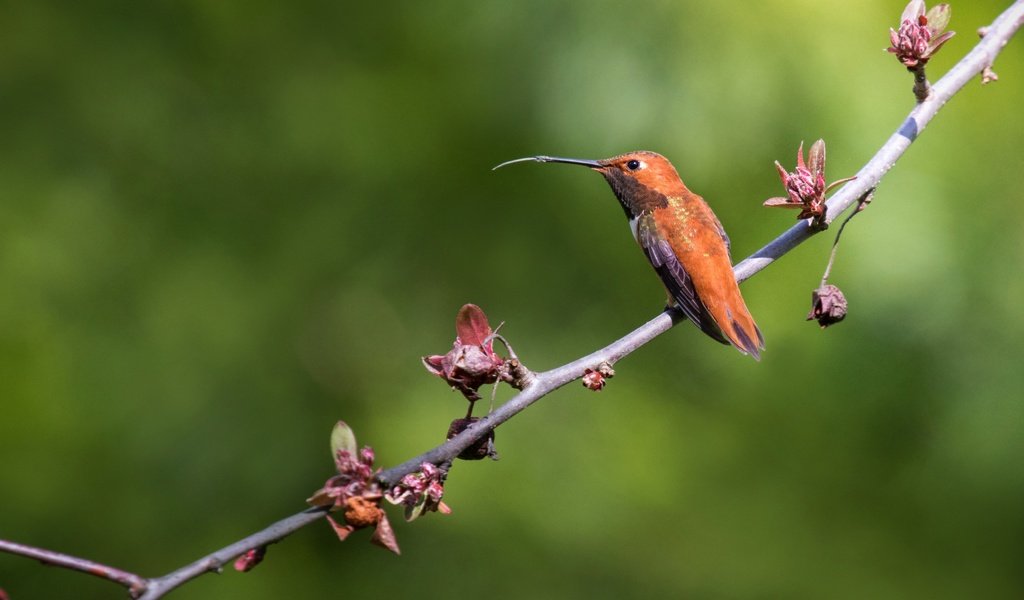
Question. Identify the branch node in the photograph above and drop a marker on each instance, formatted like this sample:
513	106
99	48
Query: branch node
517	375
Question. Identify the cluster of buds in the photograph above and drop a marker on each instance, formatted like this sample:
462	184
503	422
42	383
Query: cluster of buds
920	34
596	379
472	361
354	491
420	492
805	186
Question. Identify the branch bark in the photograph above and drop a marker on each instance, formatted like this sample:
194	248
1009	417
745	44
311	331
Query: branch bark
975	62
133	582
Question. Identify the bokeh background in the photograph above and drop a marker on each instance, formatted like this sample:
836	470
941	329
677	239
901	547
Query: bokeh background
225	225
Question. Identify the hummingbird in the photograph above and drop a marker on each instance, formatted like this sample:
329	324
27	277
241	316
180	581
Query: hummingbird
683	240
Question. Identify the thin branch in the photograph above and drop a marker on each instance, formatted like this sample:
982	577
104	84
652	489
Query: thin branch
867	179
133	582
978	59
213	562
835	244
921	87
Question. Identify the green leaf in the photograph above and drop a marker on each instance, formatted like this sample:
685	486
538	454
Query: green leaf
938	18
343	438
416	511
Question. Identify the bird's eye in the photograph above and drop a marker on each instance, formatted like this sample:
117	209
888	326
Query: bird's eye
634	165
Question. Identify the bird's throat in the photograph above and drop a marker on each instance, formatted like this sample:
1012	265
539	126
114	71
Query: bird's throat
636	198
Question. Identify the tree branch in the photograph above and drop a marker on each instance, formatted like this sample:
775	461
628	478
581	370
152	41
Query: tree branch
133	582
981	56
978	59
213	562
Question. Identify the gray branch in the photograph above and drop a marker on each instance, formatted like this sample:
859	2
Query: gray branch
978	59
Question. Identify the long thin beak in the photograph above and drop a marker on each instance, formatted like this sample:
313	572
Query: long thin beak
593	164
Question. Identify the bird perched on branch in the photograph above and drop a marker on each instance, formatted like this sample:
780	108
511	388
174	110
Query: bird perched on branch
683	240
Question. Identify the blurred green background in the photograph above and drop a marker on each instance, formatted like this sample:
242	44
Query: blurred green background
225	225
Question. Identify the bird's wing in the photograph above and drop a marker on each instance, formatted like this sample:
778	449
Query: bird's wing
675	278
725	236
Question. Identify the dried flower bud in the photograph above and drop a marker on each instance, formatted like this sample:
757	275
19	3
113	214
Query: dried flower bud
828	306
480	449
362	512
472	361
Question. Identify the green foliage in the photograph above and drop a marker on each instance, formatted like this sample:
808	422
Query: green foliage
226	225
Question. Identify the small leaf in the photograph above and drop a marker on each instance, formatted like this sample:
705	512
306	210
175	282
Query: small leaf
416	511
384	536
342	531
938	18
434	364
939	41
839	182
343	438
471	325
320	498
783	173
782	202
800	156
913	10
816	158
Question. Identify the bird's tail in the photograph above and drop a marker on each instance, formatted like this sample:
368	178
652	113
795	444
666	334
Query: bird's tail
739	327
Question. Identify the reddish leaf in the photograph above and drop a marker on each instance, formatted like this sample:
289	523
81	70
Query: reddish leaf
939	41
321	497
343	531
783	202
471	326
384	535
434	364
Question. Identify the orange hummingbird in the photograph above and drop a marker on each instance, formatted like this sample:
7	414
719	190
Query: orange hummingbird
682	239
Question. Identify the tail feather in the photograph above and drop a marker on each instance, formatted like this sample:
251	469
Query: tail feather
744	343
742	332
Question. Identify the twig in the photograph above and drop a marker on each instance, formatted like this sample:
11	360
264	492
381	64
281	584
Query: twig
980	57
133	582
835	244
921	87
213	562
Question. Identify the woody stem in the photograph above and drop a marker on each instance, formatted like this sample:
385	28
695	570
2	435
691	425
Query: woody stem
921	86
835	244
